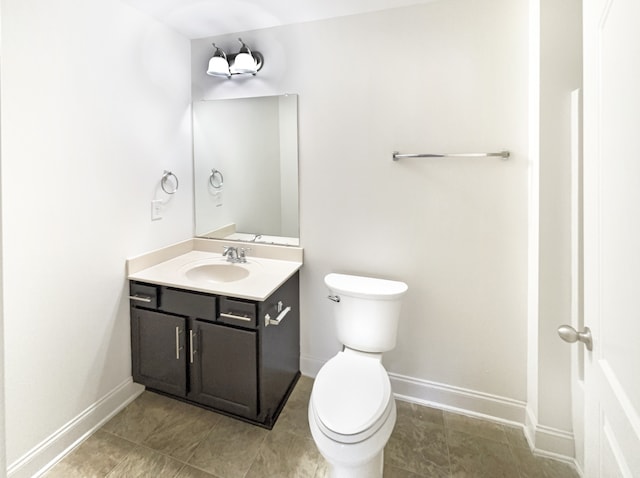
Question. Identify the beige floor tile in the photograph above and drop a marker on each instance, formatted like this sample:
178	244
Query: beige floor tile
515	437
420	413
142	462
94	458
285	455
323	468
229	449
475	426
393	472
418	443
191	472
527	463
294	416
557	469
182	430
141	417
479	457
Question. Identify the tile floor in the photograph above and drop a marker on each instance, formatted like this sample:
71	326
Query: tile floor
159	437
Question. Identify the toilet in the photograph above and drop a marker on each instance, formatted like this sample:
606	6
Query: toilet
352	411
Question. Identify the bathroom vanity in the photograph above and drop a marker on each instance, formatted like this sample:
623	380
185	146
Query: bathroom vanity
223	336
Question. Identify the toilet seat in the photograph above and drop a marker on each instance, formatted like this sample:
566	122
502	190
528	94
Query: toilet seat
351	397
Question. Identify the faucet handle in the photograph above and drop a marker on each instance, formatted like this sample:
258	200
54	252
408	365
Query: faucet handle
242	253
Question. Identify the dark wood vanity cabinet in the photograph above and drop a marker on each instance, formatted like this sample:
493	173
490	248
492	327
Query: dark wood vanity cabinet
220	352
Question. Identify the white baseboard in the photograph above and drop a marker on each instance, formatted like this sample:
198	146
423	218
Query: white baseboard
53	448
438	395
459	400
310	366
543	440
548	441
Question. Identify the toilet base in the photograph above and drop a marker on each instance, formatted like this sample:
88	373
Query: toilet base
370	469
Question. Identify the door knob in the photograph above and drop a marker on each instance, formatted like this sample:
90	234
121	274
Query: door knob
569	334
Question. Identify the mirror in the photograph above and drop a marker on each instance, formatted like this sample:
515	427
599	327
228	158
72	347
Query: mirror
246	169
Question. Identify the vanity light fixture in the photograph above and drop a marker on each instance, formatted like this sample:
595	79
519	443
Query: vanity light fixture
245	62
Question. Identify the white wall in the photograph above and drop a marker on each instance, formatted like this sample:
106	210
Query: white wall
95	105
448	76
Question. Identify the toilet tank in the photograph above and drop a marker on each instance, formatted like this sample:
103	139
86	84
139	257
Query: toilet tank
367	314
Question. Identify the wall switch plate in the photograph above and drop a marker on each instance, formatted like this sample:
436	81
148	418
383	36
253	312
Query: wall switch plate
156	209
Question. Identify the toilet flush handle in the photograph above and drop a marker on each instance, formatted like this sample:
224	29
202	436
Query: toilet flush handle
335	298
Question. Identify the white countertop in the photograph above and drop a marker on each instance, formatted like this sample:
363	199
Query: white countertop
266	275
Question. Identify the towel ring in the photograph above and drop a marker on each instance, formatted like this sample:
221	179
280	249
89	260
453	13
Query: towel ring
164	179
212	179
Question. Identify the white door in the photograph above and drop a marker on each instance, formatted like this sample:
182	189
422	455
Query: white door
612	236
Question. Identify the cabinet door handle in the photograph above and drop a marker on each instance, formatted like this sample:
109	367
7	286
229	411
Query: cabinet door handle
269	321
238	317
192	351
178	343
140	298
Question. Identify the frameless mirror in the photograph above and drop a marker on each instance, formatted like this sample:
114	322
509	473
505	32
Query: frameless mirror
246	169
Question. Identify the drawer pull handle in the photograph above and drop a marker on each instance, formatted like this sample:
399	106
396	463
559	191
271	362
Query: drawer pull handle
233	316
269	321
141	298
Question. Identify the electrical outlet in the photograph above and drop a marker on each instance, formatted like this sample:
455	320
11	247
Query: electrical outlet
156	209
218	198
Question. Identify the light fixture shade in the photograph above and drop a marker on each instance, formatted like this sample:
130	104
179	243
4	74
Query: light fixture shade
218	65
244	63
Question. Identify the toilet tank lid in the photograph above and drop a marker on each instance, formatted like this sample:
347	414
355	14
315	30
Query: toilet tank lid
366	287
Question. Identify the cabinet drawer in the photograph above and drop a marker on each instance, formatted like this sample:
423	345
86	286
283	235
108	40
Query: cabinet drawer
191	304
237	312
143	295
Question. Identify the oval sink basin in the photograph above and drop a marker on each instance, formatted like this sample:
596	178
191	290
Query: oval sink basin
217	273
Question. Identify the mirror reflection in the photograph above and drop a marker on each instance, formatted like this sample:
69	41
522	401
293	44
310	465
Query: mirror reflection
246	169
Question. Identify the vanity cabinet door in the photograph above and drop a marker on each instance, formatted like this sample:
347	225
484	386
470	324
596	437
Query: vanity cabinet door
159	351
224	369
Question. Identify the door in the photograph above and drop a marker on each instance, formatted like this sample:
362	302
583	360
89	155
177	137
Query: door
224	368
158	351
612	236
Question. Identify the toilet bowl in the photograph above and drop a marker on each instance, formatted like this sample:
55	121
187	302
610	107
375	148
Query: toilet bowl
352	411
352	414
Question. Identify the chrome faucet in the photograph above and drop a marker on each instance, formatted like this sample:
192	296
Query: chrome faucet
235	255
231	253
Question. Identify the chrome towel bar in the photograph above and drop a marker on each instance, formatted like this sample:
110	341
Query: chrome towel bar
501	154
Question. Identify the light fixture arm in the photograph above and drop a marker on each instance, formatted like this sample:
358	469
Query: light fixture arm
219	51
244	48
